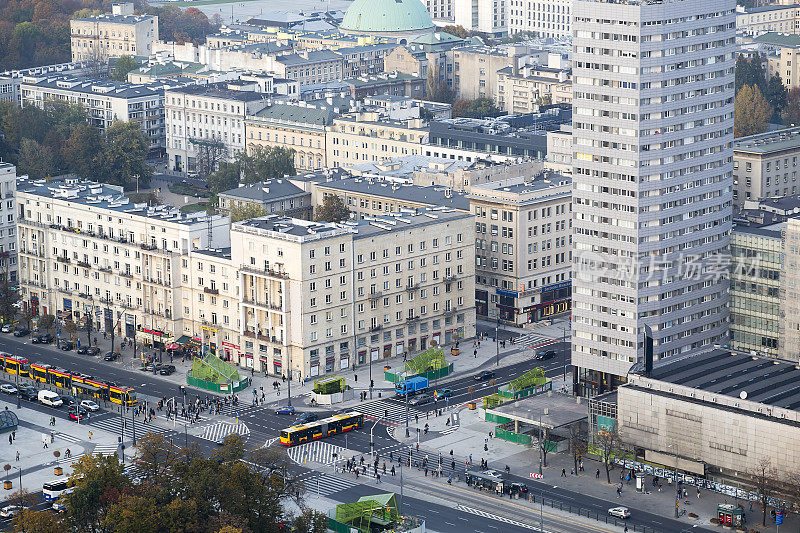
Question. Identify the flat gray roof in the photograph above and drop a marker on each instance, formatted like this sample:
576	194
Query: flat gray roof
431	195
773	141
268	190
562	410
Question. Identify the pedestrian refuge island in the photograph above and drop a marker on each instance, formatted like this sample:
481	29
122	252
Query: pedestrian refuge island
213	374
430	364
530	383
371	514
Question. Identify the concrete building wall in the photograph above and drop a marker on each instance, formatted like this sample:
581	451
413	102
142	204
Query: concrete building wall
99	38
475	71
765	165
550	18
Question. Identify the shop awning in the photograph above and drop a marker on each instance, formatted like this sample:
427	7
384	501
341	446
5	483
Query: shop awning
173	346
183	339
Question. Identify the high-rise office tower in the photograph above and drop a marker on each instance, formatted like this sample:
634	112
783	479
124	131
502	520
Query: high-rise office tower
653	86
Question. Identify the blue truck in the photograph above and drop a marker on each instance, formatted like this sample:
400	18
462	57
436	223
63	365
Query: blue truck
411	386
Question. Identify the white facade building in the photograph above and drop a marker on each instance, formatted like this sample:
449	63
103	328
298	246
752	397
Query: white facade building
487	16
113	35
8	221
653	86
543	18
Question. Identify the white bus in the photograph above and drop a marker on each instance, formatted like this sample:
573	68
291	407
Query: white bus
53	489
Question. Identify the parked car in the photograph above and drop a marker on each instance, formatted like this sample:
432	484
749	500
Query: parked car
9	511
111	356
22	332
421	399
76	412
90	405
285	410
7	328
441	394
619	512
521	488
28	393
42	339
69	400
94	350
59	507
484	376
48	397
8	388
66	345
305	418
167	370
545	354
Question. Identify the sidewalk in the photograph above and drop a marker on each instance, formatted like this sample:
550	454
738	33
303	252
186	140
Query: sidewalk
472	434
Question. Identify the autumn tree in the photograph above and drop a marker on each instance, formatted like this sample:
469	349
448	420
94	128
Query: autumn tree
332	209
46	322
35	160
457	31
122	66
126	148
226	178
750	72
478	108
71	328
247	211
578	444
608	445
751	112
311	521
83	151
210	153
791	111
776	94
265	162
99	483
437	88
9	298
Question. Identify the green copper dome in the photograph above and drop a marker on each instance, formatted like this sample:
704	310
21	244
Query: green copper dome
386	17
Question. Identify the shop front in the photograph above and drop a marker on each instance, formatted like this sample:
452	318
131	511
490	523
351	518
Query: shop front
481	303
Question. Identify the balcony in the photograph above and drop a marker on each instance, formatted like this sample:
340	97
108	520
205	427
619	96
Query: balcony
208	290
84	264
375	295
62	259
412	319
376	328
450	278
412	287
126	275
268	272
106	301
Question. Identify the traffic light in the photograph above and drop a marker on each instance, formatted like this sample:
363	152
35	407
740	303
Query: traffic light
371	383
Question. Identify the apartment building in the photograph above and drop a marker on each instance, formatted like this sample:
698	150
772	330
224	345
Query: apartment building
783	60
309	67
205	124
523	90
523	247
320	297
105	101
11	80
211	300
86	251
753	21
369	136
475	70
113	35
485	16
652	136
276	196
765	166
542	18
755	291
441	11
8	221
375	197
363	60
297	126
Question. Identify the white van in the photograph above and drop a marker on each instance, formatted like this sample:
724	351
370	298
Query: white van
50	398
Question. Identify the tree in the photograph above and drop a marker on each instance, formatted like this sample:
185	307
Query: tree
26	316
791	111
210	153
9	299
331	210
608	444
71	328
83	151
247	211
457	31
436	88
311	521
30	521
578	444
227	177
99	483
46	322
478	108
124	157
764	478
265	162
750	72
751	112
122	66
35	160
776	94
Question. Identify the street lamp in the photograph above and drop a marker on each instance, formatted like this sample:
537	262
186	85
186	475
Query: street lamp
677	490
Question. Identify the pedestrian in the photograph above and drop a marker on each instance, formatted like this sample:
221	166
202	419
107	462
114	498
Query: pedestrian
91	435
377	478
14	435
698	493
580	466
475	353
392	470
563	472
597	474
17	455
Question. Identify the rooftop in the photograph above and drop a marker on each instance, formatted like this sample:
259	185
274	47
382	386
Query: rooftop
117	19
763	9
219	90
772	231
404	192
312	56
320	116
521	186
403	220
779	39
405	166
117	89
550	410
773	141
271	190
103	196
219	253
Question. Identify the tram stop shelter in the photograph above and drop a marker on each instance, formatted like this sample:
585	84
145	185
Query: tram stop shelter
8	421
552	414
370	514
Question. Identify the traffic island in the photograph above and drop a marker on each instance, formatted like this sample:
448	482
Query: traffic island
331	390
430	364
213	374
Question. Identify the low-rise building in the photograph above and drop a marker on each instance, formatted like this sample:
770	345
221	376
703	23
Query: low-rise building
475	70
297	126
523	247
277	196
559	149
11	80
755	288
105	101
363	60
205	124
754	21
765	165
113	35
87	252
321	297
523	90
460	175
369	136
783	61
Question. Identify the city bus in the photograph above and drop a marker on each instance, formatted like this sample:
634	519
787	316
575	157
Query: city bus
334	425
52	490
485	481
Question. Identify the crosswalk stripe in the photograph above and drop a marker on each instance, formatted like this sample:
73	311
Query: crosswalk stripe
449	430
317	452
106	449
68	438
531	340
379	408
214	432
327	484
491	516
114	425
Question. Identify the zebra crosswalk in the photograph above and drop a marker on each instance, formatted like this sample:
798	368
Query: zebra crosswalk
478	512
318	452
327	484
105	449
533	340
66	438
220	430
449	430
396	411
115	425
